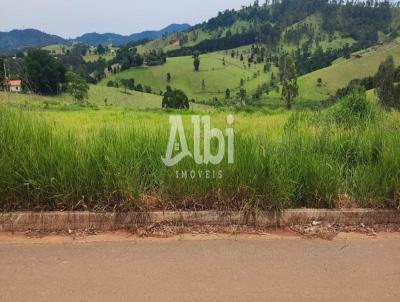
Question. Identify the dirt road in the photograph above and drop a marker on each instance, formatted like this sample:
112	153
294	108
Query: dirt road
226	269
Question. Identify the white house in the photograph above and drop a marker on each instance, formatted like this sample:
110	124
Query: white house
14	85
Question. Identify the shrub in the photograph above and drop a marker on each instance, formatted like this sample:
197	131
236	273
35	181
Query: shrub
354	109
176	99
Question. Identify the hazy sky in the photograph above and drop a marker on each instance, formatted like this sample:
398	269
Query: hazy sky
70	18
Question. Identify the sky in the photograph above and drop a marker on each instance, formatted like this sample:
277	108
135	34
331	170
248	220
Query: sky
71	18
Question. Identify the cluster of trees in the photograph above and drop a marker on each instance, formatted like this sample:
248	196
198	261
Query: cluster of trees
268	22
360	20
175	98
295	35
130	84
44	74
47	75
308	61
215	45
90	71
155	57
128	57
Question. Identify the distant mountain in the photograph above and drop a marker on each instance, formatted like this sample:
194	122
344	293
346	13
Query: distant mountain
107	38
17	39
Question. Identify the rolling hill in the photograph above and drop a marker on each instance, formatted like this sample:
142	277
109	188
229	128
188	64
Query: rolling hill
361	64
217	76
17	39
95	39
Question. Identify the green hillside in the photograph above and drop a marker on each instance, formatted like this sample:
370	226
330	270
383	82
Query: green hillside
363	63
325	40
217	77
57	49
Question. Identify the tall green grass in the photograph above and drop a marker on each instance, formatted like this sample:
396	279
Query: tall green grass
315	160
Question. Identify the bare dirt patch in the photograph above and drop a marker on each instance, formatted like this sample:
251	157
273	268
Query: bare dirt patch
168	231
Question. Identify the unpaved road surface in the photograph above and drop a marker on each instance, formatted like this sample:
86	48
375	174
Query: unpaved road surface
216	269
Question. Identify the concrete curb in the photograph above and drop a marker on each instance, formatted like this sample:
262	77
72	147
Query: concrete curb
63	221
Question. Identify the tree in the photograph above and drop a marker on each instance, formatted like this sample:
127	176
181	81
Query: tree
139	88
77	87
101	50
288	75
176	99
228	94
346	51
169	77
387	91
2	73
44	73
125	84
128	84
242	96
196	61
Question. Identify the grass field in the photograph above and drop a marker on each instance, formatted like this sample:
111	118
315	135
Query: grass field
57	48
217	77
110	159
97	95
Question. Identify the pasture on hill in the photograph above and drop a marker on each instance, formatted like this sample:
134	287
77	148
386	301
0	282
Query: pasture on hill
217	77
57	49
361	64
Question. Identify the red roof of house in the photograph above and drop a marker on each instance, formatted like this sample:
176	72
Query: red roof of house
14	83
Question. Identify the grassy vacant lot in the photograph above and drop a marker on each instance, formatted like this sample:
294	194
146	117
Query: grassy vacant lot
217	77
110	159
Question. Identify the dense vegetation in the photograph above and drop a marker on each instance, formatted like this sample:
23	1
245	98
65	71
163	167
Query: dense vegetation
268	23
